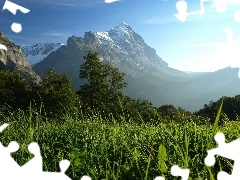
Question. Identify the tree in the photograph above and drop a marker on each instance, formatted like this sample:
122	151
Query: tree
236	105
167	111
140	109
56	94
102	91
230	109
147	111
14	91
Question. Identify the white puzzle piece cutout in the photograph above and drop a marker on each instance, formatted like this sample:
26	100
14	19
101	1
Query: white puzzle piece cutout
12	7
228	150
3	47
32	169
64	164
232	50
236	16
85	178
34	166
16	27
159	178
177	171
182	7
8	165
220	6
182	11
3	127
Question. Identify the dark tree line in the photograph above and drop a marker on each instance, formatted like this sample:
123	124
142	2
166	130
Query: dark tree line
230	109
102	93
54	94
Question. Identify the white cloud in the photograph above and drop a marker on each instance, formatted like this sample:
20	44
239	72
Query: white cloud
111	1
55	34
50	32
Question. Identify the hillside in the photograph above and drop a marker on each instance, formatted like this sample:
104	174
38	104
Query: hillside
14	60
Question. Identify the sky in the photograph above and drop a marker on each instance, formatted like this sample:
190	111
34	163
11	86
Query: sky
197	42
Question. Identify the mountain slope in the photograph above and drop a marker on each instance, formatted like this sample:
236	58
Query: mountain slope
121	47
36	53
210	86
14	60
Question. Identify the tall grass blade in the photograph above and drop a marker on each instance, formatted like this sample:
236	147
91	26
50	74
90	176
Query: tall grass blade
212	135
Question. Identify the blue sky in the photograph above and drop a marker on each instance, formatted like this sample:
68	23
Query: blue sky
198	44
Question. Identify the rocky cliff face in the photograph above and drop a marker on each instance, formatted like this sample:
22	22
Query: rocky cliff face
121	47
14	60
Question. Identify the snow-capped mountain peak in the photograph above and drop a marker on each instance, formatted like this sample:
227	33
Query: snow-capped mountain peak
36	53
118	33
122	30
120	46
122	27
104	37
118	36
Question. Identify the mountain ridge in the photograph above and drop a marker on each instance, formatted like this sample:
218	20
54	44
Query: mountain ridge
147	75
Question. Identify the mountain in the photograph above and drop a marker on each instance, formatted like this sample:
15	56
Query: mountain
199	90
121	47
14	60
147	75
36	53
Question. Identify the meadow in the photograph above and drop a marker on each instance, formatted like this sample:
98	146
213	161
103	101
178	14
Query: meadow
103	148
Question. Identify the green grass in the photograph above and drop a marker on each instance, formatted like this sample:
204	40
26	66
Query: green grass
105	149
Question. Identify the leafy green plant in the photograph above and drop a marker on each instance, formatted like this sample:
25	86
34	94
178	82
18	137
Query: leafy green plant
162	157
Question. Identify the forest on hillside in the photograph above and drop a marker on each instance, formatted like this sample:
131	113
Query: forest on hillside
101	94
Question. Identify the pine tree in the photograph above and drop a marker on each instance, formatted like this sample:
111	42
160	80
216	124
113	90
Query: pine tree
56	94
102	91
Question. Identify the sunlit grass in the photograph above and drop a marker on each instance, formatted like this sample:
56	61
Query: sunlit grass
105	149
